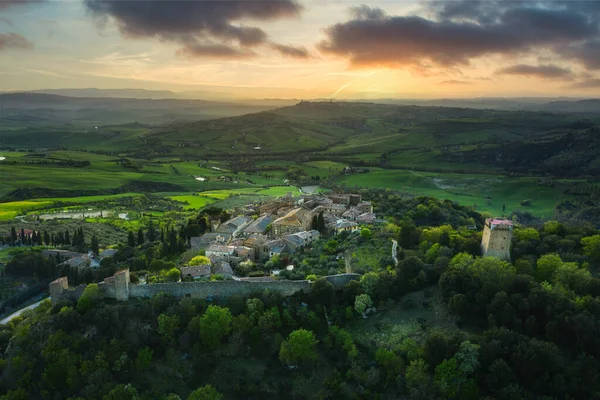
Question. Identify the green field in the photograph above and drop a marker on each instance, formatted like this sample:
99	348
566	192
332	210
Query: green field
194	202
467	189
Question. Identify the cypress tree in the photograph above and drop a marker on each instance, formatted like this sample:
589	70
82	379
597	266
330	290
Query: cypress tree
315	223
67	238
95	246
140	237
321	223
13	236
46	238
130	239
23	238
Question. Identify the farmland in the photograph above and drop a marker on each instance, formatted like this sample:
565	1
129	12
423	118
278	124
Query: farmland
452	153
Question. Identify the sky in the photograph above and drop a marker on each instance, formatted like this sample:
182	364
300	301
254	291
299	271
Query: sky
305	48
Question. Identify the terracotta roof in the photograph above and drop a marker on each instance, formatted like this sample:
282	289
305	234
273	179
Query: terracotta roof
293	218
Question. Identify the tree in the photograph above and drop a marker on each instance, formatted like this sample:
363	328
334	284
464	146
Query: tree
143	359
205	393
91	295
214	325
591	247
547	266
95	245
417	377
199	260
321	223
151	231
130	239
362	302
299	347
168	326
369	283
140	237
322	291
13	236
365	233
122	392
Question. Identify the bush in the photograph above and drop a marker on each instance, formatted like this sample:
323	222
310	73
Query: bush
256	274
526	202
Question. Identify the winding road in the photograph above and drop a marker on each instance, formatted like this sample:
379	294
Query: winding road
17	313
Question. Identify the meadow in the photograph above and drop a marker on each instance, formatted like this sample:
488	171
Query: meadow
488	193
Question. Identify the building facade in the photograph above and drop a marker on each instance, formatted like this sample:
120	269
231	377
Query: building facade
496	239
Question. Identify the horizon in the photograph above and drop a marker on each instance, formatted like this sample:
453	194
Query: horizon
410	50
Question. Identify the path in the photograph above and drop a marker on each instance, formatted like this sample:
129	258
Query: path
395	251
17	313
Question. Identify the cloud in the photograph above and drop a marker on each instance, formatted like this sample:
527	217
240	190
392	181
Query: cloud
7	22
460	31
213	50
455	82
202	28
13	40
587	84
5	4
537	71
291	51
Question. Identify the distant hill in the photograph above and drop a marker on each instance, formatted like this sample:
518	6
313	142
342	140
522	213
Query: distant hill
112	93
52	108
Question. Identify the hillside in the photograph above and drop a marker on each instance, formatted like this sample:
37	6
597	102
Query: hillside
34	109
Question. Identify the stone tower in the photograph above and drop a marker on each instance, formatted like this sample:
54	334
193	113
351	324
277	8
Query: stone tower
496	240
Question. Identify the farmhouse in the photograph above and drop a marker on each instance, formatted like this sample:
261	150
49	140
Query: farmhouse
343	225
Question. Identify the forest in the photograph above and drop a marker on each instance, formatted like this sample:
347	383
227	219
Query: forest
524	329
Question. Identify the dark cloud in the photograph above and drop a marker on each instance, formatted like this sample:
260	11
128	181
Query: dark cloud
213	50
197	25
587	84
460	31
291	51
454	82
13	40
537	71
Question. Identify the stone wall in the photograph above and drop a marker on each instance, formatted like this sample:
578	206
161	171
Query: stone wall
217	288
118	287
339	281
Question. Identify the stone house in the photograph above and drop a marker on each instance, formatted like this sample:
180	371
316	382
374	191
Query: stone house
343	225
245	253
61	254
78	262
202	242
259	225
234	225
366	218
222	268
218	250
297	220
299	240
196	272
274	247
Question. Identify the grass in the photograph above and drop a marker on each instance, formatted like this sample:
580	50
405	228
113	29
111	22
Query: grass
194	202
10	210
468	189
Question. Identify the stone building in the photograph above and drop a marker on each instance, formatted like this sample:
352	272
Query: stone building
496	239
297	220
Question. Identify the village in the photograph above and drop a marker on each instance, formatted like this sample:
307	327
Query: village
255	233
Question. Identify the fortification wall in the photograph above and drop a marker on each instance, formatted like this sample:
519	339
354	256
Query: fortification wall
217	288
118	287
339	281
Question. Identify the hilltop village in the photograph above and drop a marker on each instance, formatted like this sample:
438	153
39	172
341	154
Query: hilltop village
256	234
